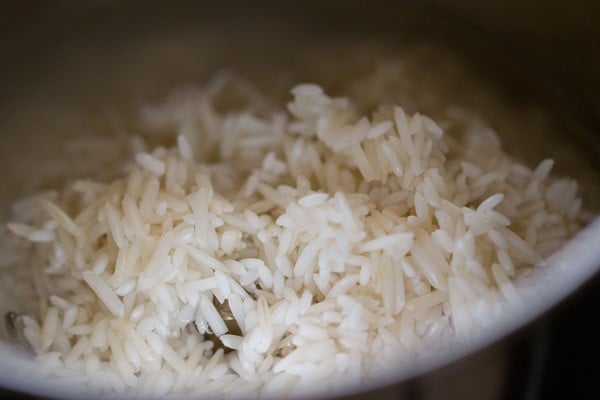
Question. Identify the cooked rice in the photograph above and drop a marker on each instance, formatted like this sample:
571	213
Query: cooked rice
344	242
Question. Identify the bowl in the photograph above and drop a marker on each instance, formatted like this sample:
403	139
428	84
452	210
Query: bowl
71	64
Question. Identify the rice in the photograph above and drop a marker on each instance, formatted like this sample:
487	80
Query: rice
313	245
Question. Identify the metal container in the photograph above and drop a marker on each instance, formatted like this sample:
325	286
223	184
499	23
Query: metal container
65	63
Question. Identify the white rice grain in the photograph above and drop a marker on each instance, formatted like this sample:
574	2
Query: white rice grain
214	319
151	163
105	293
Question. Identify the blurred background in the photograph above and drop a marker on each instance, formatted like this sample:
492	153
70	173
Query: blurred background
556	357
562	36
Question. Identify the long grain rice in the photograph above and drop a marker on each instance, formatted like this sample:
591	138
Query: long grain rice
341	242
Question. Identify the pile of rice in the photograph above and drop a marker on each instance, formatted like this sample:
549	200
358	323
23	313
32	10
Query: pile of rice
344	241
